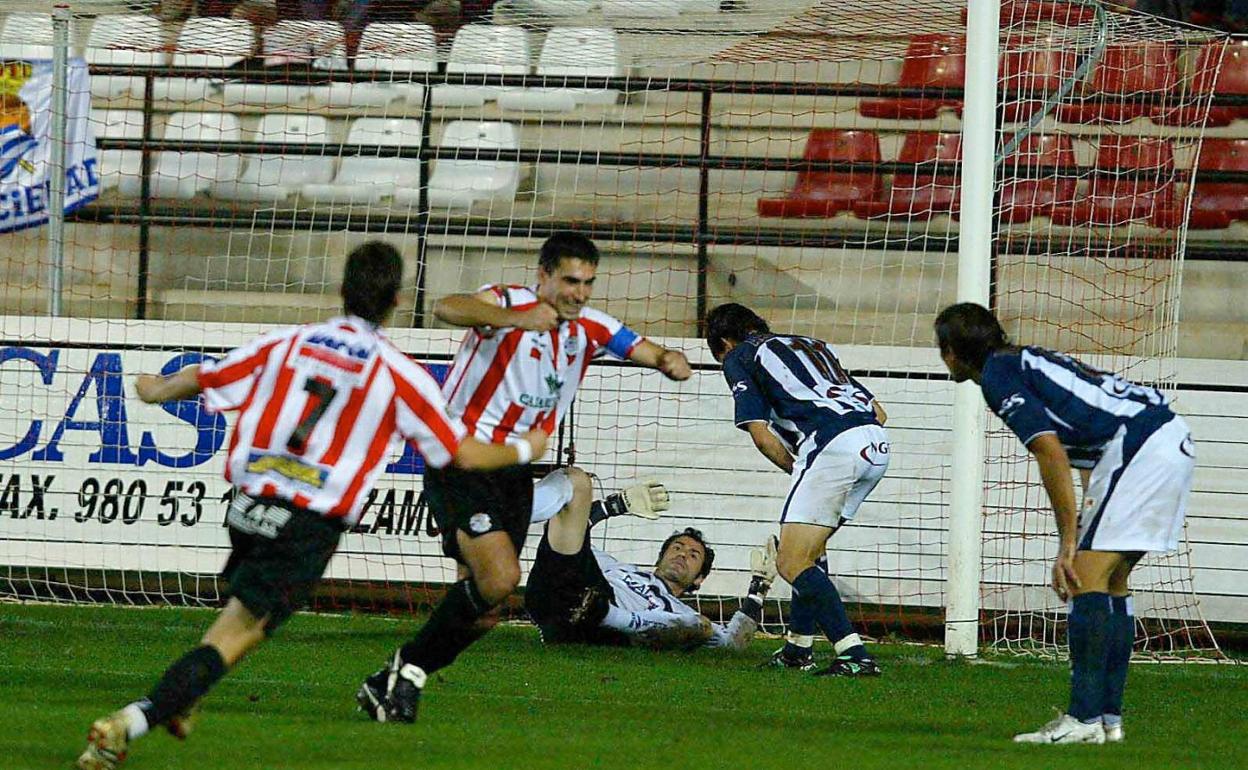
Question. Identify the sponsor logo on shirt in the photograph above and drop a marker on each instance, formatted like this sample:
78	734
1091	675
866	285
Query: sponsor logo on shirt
740	387
1010	403
287	467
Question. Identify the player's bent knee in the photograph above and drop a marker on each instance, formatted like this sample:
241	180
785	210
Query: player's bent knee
498	584
582	484
790	564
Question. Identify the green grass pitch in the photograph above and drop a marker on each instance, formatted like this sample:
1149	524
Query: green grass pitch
509	703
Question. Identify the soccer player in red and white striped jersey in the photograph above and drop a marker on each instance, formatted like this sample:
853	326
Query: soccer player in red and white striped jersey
521	361
320	408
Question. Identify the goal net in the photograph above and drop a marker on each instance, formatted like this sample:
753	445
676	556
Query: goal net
801	158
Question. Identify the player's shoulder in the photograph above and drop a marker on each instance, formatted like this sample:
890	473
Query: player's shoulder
747	350
600	317
510	295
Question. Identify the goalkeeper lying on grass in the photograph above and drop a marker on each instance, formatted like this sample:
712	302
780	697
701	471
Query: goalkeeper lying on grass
576	593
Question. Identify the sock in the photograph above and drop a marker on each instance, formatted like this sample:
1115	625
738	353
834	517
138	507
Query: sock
136	719
800	639
450	630
814	586
185	682
1121	640
612	505
1088	632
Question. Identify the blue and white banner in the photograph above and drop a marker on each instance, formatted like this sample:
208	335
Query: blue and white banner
25	148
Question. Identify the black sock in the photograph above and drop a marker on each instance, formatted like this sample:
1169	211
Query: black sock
450	629
1088	632
185	682
612	505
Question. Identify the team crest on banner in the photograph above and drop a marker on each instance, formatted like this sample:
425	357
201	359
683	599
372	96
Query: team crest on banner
26	153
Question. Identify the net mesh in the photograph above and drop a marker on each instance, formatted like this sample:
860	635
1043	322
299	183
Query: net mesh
801	158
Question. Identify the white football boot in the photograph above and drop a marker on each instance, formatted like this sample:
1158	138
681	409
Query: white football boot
1064	729
1114	733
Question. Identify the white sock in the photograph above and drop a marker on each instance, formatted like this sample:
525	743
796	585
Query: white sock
1111	720
800	640
853	640
136	721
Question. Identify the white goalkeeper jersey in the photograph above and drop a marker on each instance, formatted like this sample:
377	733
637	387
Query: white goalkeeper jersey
650	602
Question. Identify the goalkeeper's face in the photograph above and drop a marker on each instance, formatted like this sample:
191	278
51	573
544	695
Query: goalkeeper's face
568	288
681	564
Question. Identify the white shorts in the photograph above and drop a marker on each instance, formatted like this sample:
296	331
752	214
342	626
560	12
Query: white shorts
830	483
1137	495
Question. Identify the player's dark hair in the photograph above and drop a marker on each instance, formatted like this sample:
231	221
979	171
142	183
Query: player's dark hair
971	332
370	282
566	244
697	536
732	321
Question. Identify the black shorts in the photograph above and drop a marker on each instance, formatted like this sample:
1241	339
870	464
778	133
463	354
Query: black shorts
279	555
477	502
567	597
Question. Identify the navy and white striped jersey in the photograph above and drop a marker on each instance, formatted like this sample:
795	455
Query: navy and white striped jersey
797	385
1037	391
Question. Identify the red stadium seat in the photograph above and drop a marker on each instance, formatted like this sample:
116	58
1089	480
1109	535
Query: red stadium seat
826	193
929	190
1029	196
933	62
1145	192
1030	72
1216	204
1126	71
1232	78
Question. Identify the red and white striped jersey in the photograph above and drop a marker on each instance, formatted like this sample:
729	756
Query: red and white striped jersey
508	381
322	406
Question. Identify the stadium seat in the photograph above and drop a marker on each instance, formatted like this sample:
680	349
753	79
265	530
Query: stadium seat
462	181
123	40
386	47
1216	204
1216	72
563	8
1145	70
572	53
1024	196
641	9
26	36
115	165
205	42
1145	193
1031	71
273	177
364	179
827	193
931	189
319	44
185	174
483	49
933	62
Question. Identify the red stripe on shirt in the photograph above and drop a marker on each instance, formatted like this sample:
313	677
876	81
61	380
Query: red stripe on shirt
493	377
433	418
352	365
235	372
277	399
507	424
381	440
346	420
467	364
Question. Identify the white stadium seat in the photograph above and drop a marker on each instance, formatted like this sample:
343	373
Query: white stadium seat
123	40
483	49
319	43
641	9
205	42
26	36
386	47
115	165
571	52
273	177
185	174
459	183
362	179
562	8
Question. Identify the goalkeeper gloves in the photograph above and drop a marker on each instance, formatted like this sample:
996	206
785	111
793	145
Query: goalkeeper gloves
762	575
646	499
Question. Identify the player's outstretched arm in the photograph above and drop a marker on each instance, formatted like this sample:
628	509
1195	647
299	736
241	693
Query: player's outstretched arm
482	309
672	363
745	621
480	456
157	389
770	446
1055	472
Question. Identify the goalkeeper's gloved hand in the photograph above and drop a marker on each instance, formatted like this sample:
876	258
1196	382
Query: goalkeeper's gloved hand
646	499
763	568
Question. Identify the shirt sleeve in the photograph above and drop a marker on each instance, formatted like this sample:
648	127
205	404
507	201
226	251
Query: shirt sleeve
226	383
421	418
609	334
749	404
1008	396
736	635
